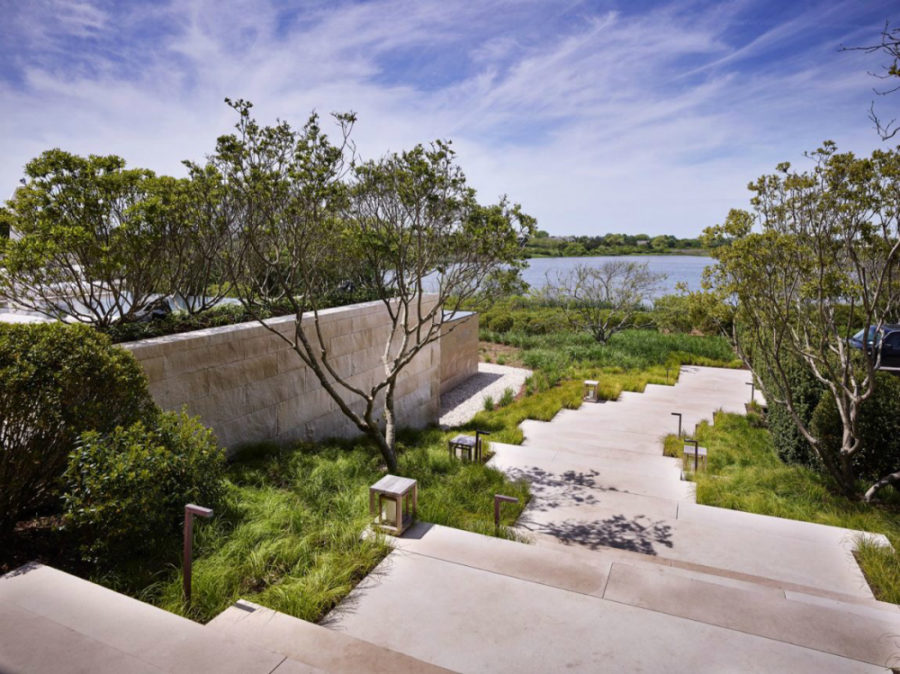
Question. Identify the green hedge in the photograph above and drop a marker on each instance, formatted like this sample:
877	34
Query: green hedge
126	490
57	381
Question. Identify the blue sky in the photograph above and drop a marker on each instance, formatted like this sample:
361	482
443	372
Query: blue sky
632	116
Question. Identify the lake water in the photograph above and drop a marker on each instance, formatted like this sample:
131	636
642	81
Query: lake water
686	269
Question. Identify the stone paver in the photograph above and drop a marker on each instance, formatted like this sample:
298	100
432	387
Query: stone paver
51	621
322	650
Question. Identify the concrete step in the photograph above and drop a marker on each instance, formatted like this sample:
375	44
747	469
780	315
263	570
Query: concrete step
474	603
654	417
607	458
53	618
566	478
583	439
794	554
323	649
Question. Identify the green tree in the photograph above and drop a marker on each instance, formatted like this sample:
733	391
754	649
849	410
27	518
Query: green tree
84	252
194	217
407	226
816	260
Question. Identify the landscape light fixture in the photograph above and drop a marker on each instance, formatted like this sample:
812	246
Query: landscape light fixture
189	511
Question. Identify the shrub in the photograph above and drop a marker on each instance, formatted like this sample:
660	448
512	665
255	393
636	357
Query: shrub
790	444
501	322
879	429
488	403
508	396
697	311
57	381
126	490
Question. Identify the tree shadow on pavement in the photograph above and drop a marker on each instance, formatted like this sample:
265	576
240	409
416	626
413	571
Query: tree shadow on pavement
640	534
554	490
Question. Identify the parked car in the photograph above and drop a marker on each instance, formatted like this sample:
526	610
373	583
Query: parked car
886	341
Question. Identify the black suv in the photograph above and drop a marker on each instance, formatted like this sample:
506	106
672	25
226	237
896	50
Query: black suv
887	341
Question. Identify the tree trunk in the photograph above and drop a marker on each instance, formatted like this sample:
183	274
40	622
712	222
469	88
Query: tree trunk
387	451
883	482
390	429
847	476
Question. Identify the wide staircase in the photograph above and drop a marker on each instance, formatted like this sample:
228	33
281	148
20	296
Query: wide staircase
626	573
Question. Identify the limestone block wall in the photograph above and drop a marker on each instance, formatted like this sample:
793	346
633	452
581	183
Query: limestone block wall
249	385
459	350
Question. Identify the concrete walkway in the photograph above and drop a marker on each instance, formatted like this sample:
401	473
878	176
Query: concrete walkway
629	573
472	603
599	479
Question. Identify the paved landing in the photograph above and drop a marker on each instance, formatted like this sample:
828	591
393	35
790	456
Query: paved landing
472	603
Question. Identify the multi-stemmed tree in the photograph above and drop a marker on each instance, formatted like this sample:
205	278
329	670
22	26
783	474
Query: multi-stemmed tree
815	261
407	227
83	249
602	299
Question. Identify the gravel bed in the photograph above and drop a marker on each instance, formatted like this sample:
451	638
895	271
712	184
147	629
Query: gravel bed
462	403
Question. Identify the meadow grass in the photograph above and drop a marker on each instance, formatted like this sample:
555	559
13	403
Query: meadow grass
745	473
290	535
628	350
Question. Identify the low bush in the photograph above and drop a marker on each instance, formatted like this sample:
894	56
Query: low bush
126	490
57	381
692	312
879	429
807	391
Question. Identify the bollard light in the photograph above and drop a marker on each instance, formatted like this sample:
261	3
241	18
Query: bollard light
498	499
393	502
678	414
189	511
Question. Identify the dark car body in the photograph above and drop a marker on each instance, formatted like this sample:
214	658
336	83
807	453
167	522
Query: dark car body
885	341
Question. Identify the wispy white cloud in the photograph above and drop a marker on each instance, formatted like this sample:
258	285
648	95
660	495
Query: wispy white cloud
594	120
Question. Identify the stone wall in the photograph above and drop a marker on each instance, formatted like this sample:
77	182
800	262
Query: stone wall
459	350
248	384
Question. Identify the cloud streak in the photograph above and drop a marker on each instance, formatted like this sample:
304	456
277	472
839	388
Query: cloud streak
594	119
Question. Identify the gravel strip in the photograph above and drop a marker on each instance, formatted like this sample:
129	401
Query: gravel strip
462	403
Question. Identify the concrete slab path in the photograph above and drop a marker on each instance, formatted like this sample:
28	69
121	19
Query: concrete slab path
599	479
51	621
473	603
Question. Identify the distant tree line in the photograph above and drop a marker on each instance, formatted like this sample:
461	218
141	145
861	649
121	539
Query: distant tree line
544	245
